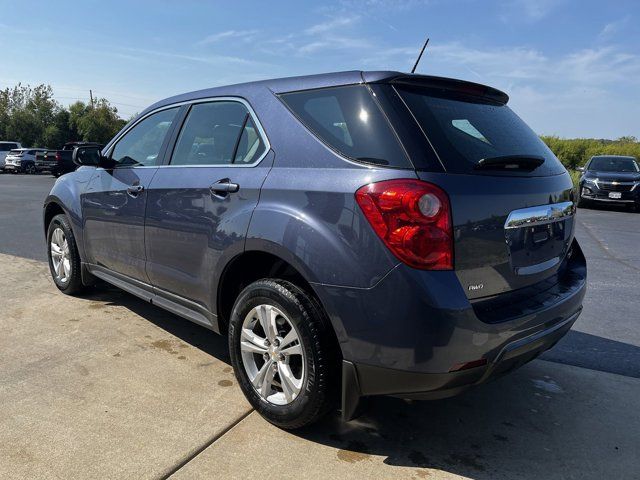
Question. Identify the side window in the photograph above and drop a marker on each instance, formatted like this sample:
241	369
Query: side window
218	133
141	145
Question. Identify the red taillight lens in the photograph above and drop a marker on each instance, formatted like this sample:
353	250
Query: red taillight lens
58	157
413	219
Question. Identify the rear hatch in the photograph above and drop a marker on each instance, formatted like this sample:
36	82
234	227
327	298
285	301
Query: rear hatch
511	199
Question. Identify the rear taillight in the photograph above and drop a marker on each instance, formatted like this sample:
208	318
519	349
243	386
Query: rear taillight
413	219
58	157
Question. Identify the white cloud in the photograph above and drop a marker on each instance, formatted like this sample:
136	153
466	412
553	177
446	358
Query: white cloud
331	24
612	28
245	35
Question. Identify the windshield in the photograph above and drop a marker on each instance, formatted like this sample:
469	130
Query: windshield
464	131
613	164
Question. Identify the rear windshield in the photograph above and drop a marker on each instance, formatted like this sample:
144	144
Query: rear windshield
349	120
464	131
613	164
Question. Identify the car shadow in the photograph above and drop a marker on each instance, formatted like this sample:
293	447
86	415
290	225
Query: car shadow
189	332
538	422
610	207
596	353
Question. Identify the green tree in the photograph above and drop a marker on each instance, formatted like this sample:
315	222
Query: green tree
97	123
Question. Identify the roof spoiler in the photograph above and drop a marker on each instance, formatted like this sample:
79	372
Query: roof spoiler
452	85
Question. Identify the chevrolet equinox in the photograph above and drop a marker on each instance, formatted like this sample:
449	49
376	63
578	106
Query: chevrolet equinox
353	234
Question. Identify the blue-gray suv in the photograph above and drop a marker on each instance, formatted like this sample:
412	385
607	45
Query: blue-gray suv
354	234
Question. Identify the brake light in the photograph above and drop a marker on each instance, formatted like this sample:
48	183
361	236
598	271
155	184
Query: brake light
58	157
413	219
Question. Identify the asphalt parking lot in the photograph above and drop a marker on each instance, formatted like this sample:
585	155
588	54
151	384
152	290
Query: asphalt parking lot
107	386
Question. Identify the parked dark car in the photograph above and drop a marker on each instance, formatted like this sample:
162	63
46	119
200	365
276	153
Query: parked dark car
59	162
362	233
610	179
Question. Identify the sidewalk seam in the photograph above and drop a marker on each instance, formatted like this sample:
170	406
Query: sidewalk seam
173	470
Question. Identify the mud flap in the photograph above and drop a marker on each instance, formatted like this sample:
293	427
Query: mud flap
351	396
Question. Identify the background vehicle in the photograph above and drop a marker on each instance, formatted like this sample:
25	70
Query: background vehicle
59	162
5	148
377	233
610	179
22	160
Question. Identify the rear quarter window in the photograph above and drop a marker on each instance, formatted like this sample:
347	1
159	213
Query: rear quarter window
349	121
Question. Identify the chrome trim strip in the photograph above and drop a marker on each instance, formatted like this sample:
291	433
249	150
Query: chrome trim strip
241	100
539	215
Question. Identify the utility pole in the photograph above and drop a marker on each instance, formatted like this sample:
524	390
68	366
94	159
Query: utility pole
91	96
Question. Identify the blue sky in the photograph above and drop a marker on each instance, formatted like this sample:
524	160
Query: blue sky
572	68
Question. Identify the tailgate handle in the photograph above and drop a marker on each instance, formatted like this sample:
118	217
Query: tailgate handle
540	215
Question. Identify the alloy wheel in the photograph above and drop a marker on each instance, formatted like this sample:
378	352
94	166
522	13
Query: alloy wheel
60	256
272	354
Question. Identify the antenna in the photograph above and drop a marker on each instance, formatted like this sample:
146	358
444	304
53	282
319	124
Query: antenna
413	70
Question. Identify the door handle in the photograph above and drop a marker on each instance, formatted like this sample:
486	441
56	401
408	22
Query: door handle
135	190
223	187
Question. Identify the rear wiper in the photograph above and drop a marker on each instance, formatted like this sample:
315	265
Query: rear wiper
526	163
376	161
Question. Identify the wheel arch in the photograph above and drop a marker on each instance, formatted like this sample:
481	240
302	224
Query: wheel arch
246	268
252	265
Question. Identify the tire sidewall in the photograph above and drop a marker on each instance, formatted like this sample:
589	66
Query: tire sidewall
264	293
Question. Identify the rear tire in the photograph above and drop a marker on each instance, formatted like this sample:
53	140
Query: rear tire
290	390
30	169
64	259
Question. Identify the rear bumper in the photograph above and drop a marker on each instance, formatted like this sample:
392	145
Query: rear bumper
407	335
383	381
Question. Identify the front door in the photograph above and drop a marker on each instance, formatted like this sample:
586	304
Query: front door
115	199
199	206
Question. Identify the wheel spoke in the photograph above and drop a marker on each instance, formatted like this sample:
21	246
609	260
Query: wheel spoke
260	377
265	388
267	316
293	350
290	385
66	264
250	342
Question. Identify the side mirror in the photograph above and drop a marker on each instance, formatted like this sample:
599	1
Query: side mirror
580	169
90	155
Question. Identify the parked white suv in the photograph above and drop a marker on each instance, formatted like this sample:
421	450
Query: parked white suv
22	160
5	148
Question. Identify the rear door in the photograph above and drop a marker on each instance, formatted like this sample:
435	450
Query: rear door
512	200
200	204
114	201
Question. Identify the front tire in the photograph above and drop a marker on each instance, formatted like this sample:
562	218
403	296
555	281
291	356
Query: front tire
64	259
283	353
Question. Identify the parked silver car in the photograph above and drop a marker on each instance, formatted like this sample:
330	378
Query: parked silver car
22	160
5	148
